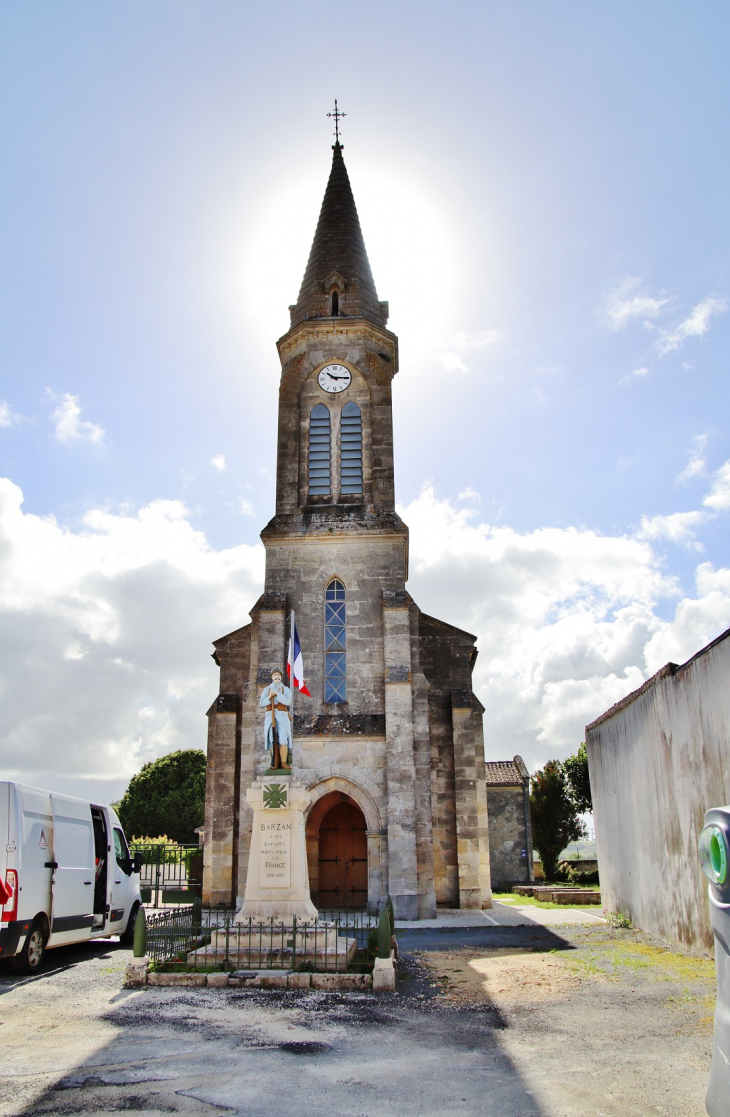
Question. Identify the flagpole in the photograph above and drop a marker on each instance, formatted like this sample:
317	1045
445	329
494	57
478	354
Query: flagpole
291	686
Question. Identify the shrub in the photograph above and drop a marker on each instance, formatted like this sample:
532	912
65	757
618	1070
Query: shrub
555	820
166	798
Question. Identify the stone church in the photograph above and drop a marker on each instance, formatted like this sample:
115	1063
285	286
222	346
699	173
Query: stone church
390	743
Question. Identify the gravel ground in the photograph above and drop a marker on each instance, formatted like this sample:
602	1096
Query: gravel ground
505	1021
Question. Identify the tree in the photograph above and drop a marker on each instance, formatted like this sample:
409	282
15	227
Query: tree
579	784
555	820
166	797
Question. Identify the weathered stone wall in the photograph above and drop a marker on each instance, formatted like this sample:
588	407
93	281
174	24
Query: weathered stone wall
508	836
458	795
658	761
223	773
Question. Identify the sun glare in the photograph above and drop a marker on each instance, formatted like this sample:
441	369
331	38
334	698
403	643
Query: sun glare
410	240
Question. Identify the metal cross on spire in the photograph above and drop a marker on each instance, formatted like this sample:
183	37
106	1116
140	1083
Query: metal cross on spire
337	117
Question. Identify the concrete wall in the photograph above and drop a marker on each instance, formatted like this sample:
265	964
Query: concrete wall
659	760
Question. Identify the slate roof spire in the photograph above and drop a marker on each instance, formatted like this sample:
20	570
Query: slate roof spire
338	280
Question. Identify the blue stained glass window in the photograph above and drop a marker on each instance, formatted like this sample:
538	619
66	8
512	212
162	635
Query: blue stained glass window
335	623
320	451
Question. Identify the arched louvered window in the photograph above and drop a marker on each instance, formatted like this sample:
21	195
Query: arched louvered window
320	451
335	668
350	449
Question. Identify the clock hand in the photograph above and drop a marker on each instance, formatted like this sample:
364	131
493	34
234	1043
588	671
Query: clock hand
332	376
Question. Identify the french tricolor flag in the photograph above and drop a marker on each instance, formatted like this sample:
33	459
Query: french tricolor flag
295	663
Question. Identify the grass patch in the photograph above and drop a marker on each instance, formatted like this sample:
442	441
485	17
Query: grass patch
530	901
657	962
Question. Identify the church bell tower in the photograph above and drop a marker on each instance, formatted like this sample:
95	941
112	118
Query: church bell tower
389	742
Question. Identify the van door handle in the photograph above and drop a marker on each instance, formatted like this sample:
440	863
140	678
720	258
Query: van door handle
51	865
87	882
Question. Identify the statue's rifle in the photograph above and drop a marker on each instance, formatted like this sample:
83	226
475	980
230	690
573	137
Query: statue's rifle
275	755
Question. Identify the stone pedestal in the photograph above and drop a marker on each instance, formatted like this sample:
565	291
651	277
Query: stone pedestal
277	884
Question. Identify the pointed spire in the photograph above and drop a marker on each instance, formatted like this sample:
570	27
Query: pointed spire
338	279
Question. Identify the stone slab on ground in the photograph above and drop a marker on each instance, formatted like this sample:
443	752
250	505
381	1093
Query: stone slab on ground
259	979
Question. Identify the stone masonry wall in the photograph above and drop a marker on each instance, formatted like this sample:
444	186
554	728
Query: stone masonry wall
508	835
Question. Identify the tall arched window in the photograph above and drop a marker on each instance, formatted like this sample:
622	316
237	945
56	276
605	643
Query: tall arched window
335	666
351	449
335	303
320	451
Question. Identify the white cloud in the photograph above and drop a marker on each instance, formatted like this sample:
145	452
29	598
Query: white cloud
93	629
697	620
8	417
453	360
218	462
695	324
638	373
630	300
470	494
106	633
678	527
476	341
70	427
718	497
567	619
696	466
245	507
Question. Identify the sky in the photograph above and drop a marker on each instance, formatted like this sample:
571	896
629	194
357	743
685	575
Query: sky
543	192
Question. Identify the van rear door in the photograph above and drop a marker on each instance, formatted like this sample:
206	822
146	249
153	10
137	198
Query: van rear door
73	876
35	840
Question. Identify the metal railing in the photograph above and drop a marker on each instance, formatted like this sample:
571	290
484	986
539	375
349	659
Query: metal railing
193	938
170	874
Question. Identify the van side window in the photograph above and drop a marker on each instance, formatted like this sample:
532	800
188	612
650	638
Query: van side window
120	849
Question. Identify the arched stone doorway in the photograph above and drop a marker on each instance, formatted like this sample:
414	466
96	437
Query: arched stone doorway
337	851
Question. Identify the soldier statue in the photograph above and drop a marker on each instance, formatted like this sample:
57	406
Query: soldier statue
276	700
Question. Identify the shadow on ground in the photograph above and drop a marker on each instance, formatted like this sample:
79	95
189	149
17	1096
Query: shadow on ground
262	1052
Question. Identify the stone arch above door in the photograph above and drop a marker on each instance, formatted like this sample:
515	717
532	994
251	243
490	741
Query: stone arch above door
326	794
363	799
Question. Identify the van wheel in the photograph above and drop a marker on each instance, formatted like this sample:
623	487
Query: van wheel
127	937
28	961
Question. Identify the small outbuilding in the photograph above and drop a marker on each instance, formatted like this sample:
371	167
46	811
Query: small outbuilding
658	760
510	828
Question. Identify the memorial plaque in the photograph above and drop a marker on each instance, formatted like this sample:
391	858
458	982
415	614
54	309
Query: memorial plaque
275	853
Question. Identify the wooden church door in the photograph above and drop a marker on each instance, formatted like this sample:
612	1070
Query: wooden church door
343	858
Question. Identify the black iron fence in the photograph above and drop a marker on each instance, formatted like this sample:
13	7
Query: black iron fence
193	938
170	873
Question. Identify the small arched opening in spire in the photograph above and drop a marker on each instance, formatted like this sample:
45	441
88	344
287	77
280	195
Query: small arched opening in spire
335	305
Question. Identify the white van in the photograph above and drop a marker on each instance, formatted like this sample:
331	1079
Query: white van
65	874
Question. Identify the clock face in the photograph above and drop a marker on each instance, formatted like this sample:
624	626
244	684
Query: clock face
334	378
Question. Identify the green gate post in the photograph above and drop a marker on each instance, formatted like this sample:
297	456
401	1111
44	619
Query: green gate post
384	935
139	948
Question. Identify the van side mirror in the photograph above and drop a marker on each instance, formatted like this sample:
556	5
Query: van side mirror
137	862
